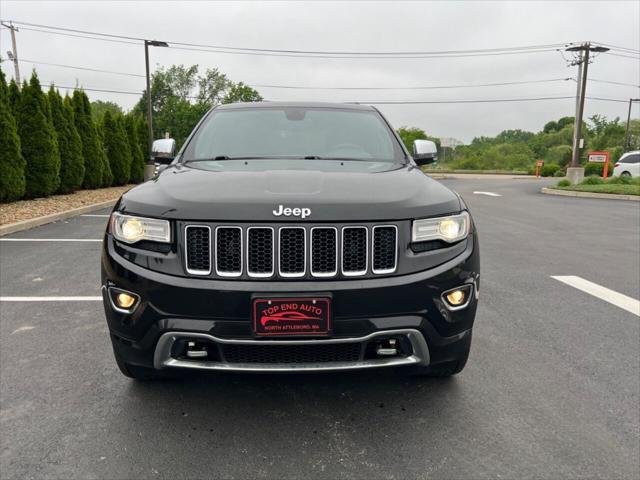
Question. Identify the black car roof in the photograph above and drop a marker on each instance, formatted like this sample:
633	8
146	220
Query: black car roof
345	106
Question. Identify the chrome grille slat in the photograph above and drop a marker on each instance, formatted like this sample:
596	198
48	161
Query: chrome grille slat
290	251
324	251
355	251
197	250
229	251
384	248
260	252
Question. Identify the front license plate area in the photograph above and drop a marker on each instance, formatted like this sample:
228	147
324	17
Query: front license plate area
299	316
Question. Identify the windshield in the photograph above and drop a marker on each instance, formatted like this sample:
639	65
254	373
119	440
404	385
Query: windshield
294	132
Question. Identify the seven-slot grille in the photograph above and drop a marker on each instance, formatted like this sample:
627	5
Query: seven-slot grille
291	251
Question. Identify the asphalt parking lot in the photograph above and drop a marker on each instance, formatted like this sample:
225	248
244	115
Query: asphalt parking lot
552	388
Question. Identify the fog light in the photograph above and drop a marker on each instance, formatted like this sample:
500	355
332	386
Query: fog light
458	298
124	300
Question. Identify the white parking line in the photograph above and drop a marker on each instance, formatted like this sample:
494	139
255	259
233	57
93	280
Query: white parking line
22	329
489	194
95	215
618	299
50	299
50	239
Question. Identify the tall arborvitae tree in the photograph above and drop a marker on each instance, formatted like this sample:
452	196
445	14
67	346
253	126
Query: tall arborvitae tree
71	161
91	152
106	179
38	141
14	97
116	147
12	164
143	136
137	157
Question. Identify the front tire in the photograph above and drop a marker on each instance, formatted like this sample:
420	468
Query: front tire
625	174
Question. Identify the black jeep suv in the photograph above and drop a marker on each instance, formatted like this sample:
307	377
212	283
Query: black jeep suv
288	237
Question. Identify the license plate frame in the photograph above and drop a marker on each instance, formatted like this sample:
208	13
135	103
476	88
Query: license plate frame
300	316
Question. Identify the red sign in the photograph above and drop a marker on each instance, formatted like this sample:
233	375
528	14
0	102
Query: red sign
600	157
291	316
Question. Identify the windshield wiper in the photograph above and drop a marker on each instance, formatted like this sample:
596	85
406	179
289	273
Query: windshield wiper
222	157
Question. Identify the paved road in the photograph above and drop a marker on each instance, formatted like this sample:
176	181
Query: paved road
552	388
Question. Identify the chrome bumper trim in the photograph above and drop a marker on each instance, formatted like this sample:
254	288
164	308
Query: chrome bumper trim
162	357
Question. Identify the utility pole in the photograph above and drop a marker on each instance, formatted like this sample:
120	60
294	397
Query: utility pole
575	173
626	133
13	55
149	169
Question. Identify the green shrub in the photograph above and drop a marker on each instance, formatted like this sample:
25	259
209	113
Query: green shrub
14	98
559	173
137	157
91	152
564	183
621	180
69	143
592	180
549	169
116	147
597	169
12	164
38	141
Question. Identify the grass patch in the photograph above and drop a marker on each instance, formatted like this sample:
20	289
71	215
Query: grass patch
604	188
429	169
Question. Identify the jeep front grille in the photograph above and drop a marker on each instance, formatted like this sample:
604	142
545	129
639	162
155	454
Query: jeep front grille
290	251
198	240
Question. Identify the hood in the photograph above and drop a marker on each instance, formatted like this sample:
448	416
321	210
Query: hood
186	193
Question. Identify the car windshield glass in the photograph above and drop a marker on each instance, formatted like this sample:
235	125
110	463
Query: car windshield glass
294	133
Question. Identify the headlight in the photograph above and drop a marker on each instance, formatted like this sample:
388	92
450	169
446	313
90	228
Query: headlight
450	229
130	229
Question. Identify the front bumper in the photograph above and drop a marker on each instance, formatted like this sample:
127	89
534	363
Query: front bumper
176	308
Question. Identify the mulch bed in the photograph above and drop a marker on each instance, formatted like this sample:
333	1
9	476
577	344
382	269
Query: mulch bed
38	207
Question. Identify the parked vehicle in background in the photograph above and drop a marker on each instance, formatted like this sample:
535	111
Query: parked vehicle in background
628	165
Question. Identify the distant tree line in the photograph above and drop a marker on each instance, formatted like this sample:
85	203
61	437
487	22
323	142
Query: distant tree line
519	149
50	144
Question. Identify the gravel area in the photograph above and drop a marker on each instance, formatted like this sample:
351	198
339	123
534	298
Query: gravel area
38	207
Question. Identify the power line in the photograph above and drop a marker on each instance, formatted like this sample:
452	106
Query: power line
633	50
296	53
79	36
88	69
383	102
614	83
622	55
303	87
310	87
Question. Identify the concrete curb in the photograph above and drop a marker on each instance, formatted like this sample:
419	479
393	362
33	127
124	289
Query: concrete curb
609	196
54	217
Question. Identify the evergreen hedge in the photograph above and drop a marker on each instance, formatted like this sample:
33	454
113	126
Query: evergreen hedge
91	153
137	157
38	143
116	146
12	164
14	98
69	143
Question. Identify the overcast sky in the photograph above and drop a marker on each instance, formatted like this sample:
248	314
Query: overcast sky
353	26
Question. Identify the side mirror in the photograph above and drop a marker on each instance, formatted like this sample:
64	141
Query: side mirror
163	151
424	152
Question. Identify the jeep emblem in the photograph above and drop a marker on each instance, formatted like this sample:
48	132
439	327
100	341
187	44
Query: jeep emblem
296	212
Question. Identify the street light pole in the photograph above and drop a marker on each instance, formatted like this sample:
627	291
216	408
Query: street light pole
149	169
